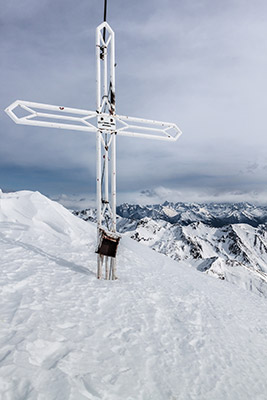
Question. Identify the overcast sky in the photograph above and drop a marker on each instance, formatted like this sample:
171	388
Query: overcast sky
200	63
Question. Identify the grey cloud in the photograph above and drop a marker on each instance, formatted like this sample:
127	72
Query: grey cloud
201	64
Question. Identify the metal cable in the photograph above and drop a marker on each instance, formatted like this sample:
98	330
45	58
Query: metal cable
105	19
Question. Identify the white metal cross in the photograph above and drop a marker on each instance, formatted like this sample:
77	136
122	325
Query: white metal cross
107	125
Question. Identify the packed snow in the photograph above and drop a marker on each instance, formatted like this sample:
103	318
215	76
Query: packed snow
162	331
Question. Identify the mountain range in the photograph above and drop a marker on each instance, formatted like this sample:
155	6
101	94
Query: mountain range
212	214
227	241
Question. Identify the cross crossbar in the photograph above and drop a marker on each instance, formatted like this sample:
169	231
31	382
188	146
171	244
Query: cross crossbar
78	119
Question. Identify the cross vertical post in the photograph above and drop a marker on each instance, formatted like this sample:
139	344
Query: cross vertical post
106	148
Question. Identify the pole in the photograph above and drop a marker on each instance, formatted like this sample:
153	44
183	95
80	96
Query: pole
113	182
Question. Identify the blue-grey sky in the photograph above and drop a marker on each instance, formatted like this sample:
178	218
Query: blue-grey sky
200	63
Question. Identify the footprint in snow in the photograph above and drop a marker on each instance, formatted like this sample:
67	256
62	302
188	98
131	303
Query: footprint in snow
46	354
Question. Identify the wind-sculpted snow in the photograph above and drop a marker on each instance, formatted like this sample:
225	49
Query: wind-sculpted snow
162	331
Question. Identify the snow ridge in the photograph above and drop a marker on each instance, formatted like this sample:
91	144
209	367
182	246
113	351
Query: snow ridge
162	331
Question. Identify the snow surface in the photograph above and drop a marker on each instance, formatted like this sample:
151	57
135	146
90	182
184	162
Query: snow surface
162	331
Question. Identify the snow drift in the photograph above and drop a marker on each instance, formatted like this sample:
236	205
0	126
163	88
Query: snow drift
163	331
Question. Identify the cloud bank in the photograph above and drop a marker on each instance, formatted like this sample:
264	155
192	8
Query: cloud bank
200	64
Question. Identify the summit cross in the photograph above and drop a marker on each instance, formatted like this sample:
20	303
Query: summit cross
107	125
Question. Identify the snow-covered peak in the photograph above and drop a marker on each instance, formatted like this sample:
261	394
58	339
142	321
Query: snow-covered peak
32	210
169	211
208	247
204	236
162	331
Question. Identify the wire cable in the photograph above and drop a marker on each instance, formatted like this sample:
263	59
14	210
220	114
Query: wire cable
105	19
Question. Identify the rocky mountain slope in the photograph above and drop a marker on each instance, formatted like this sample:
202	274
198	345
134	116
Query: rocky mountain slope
233	252
236	253
213	214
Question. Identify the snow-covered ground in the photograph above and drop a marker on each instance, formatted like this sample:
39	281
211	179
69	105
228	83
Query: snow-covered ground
162	331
